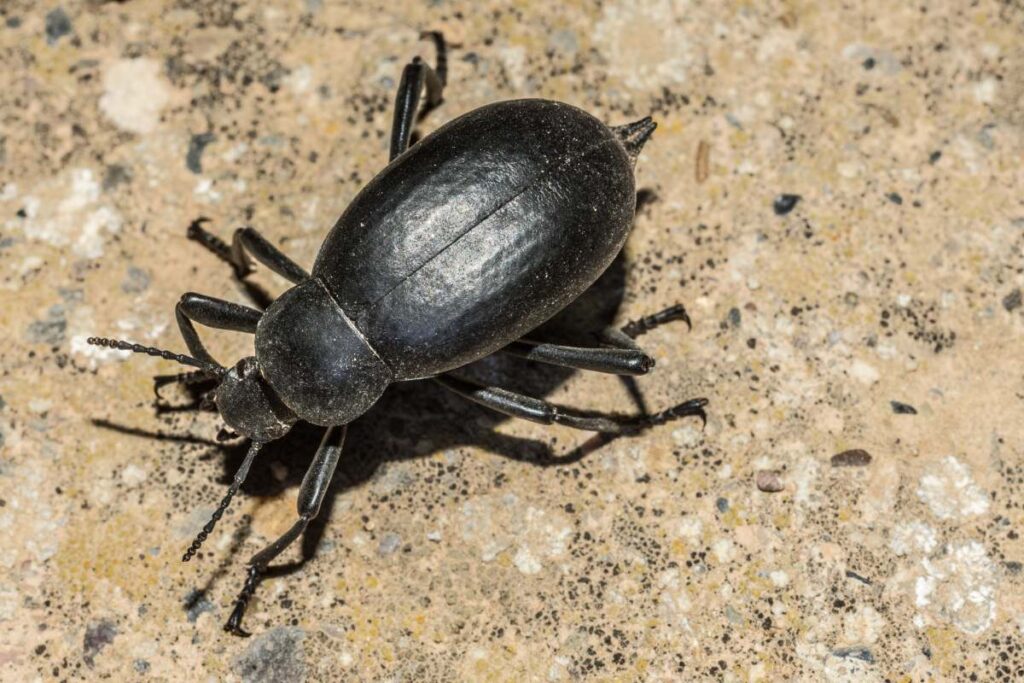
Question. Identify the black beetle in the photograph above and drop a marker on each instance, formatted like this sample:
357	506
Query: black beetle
465	242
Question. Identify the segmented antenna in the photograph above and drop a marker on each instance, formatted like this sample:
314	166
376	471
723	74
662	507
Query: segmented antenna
209	368
240	475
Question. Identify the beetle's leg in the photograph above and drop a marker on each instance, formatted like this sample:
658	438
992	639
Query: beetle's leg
635	328
311	495
615	361
217	313
251	241
617	355
536	410
246	242
415	75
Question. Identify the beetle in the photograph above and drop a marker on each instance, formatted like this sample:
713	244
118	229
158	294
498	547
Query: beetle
465	242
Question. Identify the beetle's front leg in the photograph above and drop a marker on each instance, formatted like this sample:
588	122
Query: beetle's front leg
311	496
216	313
247	242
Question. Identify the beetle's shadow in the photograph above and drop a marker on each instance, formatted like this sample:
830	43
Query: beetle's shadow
411	413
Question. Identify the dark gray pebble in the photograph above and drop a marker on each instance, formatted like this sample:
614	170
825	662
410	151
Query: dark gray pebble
57	25
1013	300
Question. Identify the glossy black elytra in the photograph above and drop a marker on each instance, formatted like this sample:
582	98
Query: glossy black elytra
463	244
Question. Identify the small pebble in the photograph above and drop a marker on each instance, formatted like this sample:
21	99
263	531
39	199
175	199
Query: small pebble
855	652
136	281
389	543
734	317
903	408
784	203
856	457
97	636
57	25
769	481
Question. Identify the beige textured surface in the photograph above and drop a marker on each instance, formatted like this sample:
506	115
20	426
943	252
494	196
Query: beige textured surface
448	552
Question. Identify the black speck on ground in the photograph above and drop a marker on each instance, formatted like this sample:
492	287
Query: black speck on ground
903	408
784	203
850	574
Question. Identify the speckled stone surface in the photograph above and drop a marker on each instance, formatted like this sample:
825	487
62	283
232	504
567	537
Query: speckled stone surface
851	511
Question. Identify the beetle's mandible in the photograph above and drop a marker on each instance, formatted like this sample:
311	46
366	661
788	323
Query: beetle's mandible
464	243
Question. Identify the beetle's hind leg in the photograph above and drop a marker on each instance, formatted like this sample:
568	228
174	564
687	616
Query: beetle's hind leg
311	496
415	76
246	242
537	410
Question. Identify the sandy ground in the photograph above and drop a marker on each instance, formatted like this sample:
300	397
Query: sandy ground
850	512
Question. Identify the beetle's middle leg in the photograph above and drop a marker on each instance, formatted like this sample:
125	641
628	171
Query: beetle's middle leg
311	496
617	353
245	243
536	410
415	76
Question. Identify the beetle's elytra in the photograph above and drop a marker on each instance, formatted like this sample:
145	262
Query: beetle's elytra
463	244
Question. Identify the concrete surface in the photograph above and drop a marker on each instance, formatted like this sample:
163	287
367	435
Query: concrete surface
852	510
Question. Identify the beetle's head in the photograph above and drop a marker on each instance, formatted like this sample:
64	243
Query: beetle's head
245	400
249	405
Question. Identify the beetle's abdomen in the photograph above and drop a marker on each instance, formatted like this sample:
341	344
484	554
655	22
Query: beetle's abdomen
479	233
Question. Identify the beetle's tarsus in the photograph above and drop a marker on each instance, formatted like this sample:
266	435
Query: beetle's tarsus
234	622
441	52
692	408
197	233
635	328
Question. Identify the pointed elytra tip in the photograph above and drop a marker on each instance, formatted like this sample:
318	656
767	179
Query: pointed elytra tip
634	135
